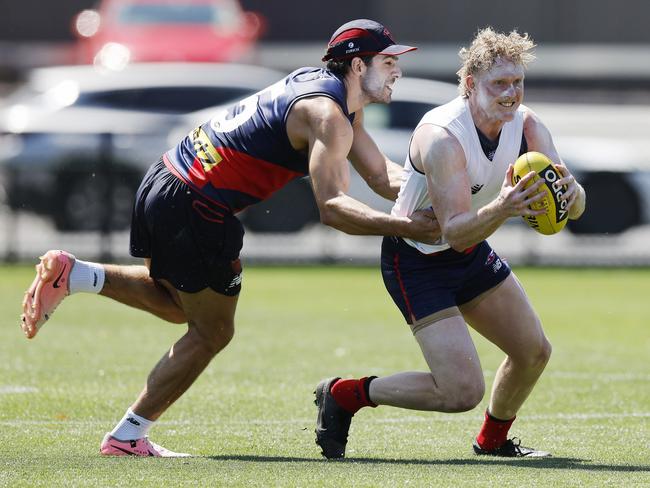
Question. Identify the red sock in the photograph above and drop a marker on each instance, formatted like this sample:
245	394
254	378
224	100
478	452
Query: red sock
494	432
351	395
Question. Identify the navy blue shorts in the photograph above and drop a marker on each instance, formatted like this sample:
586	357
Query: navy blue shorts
193	242
433	286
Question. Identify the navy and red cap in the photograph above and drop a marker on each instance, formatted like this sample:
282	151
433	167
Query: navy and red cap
363	37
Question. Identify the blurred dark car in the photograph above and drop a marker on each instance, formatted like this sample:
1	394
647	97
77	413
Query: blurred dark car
608	149
70	131
122	31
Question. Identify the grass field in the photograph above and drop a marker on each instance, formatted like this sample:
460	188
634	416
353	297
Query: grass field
249	419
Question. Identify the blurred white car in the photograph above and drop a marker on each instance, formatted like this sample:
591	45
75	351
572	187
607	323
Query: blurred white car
69	133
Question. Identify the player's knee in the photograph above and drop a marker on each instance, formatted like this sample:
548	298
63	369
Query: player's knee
538	356
544	354
176	315
468	394
210	338
460	395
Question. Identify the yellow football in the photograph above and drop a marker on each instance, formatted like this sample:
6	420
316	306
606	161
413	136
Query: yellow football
555	218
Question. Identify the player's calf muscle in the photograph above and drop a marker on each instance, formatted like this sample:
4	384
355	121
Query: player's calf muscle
132	285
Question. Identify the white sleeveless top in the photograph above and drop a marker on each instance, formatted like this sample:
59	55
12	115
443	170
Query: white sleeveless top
485	176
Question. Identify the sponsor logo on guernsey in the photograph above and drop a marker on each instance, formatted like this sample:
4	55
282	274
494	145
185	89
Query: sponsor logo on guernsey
206	153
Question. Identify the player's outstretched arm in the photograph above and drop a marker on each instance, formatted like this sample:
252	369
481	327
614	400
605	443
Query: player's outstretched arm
330	140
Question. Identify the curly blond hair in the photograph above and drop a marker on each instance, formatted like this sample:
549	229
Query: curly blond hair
488	46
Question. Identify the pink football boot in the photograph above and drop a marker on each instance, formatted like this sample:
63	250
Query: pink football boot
47	291
140	447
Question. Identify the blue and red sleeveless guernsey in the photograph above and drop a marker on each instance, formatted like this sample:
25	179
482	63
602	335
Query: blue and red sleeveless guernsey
243	154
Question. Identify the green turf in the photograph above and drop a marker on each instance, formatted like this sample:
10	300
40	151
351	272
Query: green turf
250	417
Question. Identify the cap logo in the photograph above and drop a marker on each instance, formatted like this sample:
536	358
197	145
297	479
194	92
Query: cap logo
362	38
351	48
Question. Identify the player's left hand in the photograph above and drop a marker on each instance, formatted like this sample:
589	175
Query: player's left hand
573	193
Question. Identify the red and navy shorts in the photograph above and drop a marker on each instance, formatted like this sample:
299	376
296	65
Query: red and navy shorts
193	242
430	287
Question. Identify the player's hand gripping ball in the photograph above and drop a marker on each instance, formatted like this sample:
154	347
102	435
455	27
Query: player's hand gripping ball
556	216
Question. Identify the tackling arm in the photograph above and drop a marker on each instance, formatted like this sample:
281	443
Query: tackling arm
330	139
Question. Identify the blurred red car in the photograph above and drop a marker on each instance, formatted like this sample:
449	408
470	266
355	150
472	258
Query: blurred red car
122	31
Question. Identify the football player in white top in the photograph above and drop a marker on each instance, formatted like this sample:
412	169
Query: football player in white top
460	163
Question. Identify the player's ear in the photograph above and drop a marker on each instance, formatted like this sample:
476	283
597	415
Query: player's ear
358	66
469	82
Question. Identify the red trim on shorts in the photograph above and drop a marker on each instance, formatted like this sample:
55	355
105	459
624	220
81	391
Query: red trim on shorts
402	288
470	249
172	169
206	212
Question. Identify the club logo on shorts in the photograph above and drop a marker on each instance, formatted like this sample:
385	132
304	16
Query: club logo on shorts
494	261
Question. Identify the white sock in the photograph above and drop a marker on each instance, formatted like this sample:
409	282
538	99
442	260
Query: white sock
85	276
131	427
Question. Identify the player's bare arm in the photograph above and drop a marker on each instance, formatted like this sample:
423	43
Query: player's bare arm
381	174
539	139
329	136
442	159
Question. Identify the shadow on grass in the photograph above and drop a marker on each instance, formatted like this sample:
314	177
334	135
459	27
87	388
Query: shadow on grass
546	463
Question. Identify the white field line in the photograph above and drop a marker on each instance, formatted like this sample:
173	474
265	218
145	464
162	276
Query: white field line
397	420
570	375
595	376
10	389
591	376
